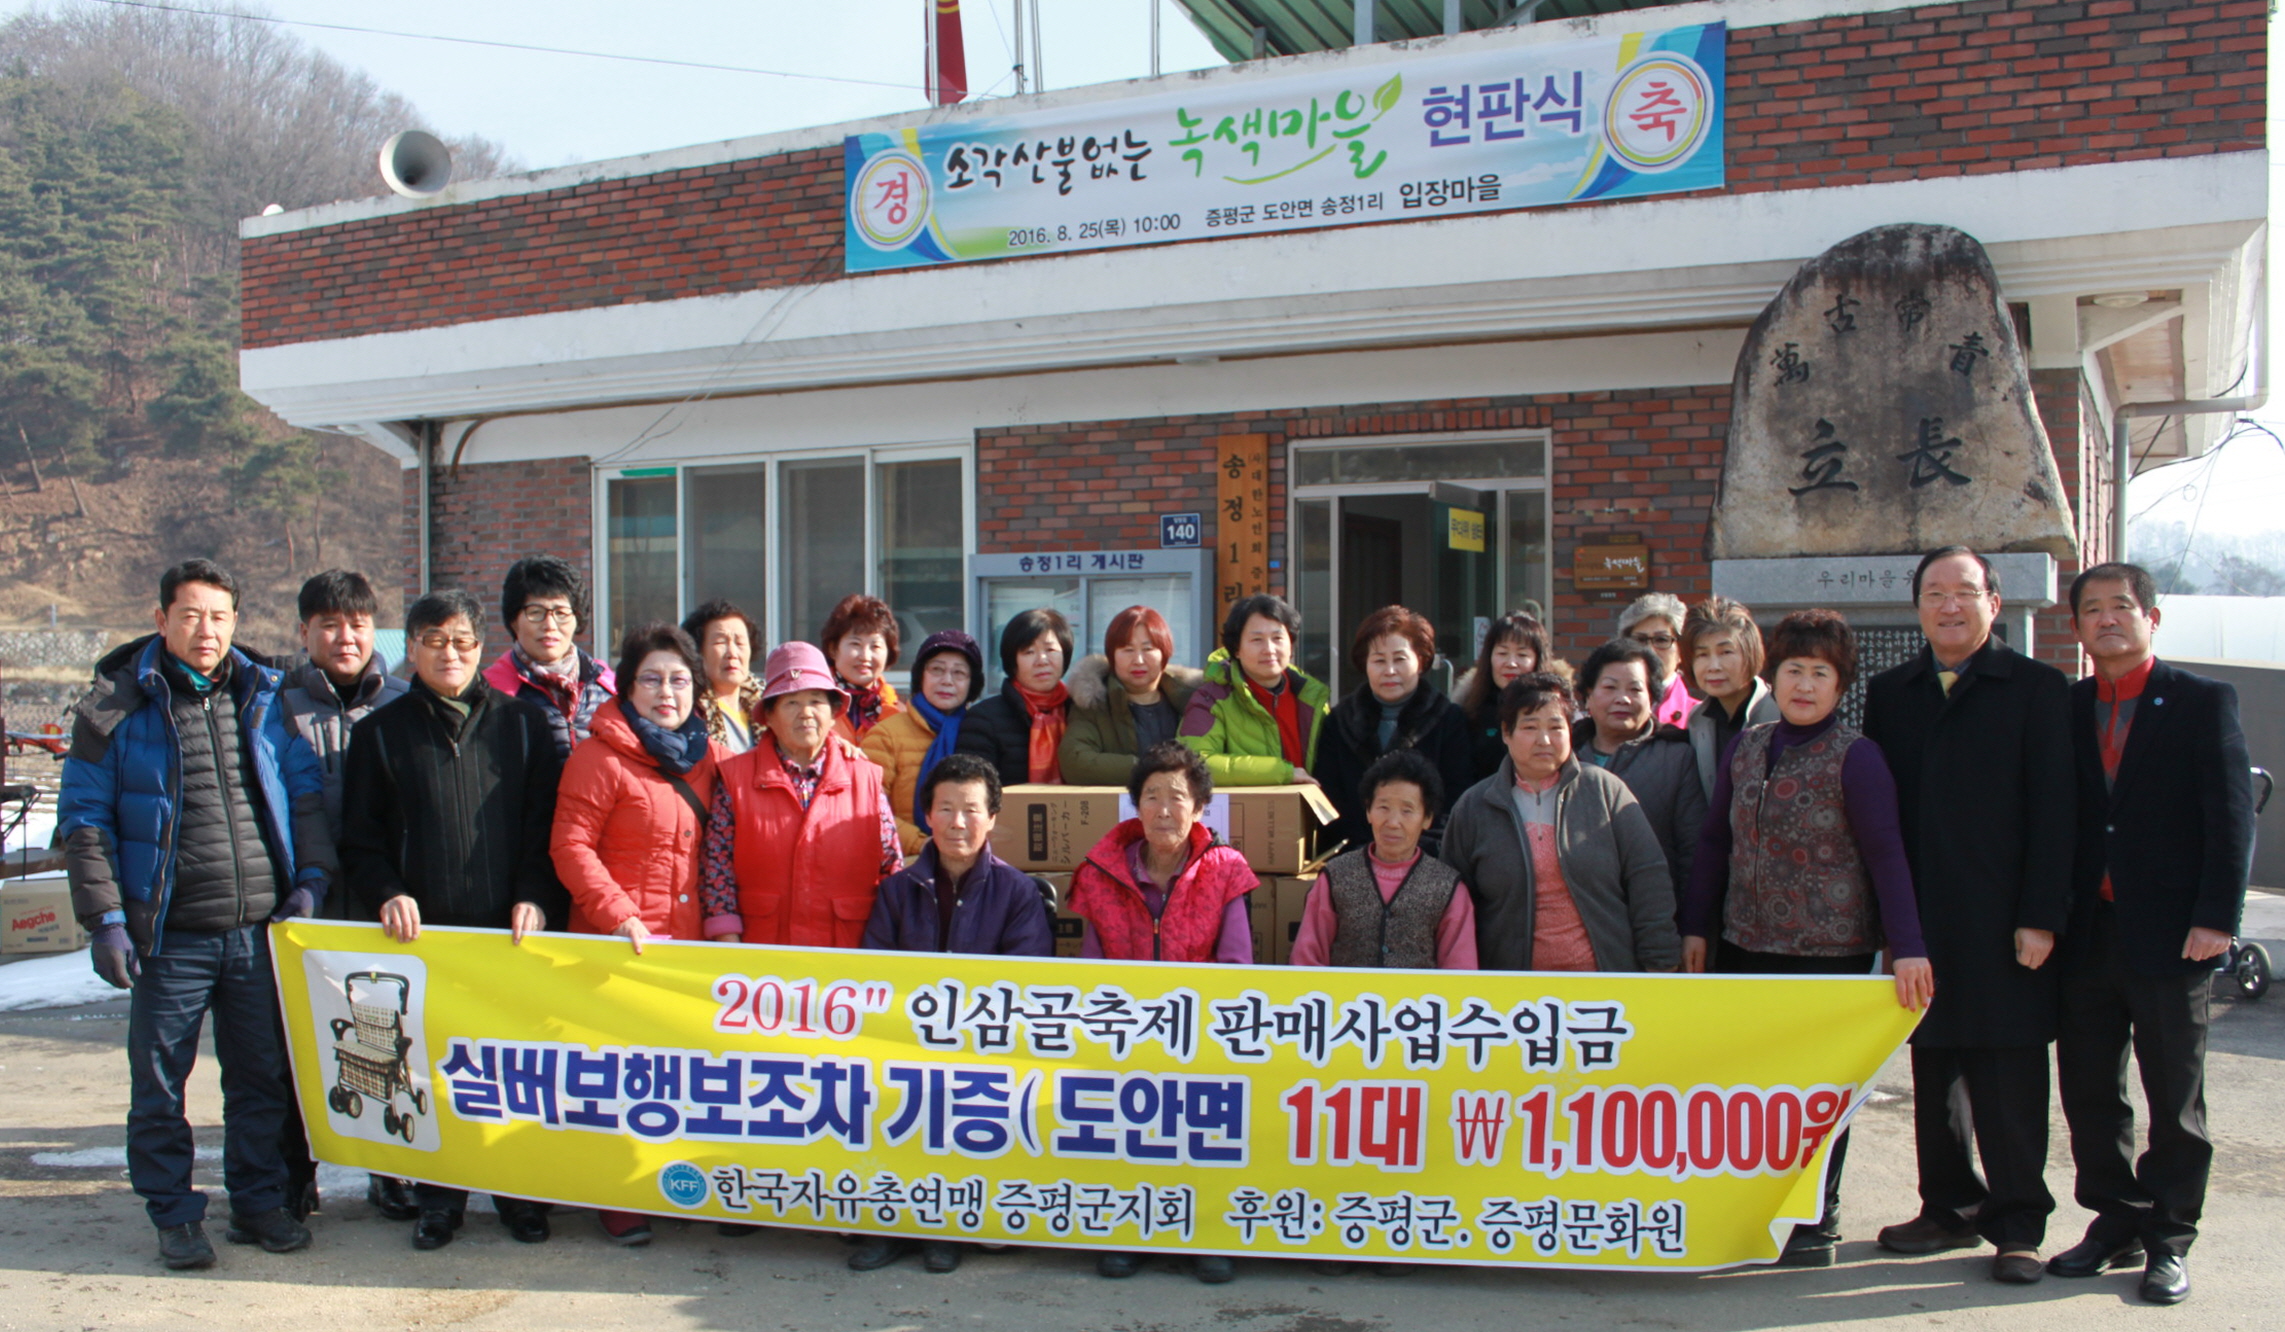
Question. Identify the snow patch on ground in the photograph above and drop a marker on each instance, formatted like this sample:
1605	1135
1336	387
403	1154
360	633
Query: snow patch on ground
65	980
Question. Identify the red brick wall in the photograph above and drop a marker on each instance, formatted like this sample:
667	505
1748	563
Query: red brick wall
1956	89
1644	461
486	516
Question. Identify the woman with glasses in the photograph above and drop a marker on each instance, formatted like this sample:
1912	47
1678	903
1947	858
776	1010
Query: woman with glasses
1654	620
631	811
800	832
544	600
946	677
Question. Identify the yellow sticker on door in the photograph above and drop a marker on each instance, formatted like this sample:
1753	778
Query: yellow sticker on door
1465	531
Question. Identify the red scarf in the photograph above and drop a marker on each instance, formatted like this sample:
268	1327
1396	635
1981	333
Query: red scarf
1285	707
865	704
1048	720
2112	734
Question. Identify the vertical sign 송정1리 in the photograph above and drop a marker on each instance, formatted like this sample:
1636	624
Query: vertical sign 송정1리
1241	519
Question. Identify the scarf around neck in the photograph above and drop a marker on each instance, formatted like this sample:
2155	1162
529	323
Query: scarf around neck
946	740
1048	721
678	750
866	702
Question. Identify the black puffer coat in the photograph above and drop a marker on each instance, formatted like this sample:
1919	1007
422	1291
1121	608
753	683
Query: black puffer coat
453	812
1429	723
999	728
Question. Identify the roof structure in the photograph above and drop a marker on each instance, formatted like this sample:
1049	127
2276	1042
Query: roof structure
1253	29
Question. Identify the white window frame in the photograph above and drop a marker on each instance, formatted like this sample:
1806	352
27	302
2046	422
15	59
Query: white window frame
772	614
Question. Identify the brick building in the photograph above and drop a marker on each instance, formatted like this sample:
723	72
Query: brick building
665	363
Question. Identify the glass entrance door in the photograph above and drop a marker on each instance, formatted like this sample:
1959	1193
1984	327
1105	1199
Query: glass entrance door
1460	552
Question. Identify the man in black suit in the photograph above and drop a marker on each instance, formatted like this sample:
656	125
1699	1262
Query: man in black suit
2165	848
1979	738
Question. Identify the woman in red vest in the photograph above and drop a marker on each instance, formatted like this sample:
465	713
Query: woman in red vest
800	832
1162	888
630	811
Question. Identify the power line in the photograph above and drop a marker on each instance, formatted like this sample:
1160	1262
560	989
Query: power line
506	46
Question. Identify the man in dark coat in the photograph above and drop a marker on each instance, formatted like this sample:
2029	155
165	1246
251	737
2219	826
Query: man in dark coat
448	802
190	817
2165	848
1978	736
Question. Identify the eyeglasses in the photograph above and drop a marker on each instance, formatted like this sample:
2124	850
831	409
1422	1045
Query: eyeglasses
539	615
1655	640
1939	600
463	644
666	684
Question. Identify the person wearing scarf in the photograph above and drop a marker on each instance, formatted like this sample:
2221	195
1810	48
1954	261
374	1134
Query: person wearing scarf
1021	728
860	640
630	814
947	676
729	697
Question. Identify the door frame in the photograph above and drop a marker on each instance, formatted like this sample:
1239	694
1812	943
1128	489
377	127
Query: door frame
1530	489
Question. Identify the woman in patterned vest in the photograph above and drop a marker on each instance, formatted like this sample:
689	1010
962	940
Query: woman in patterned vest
1800	868
1389	904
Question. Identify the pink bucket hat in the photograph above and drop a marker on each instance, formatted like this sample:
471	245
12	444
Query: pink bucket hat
793	667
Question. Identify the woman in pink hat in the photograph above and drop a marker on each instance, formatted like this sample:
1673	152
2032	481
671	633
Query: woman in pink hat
801	832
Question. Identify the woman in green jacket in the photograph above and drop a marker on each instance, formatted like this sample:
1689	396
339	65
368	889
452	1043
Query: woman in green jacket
1126	700
1256	717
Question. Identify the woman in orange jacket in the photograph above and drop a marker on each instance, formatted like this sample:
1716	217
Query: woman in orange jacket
630	813
800	833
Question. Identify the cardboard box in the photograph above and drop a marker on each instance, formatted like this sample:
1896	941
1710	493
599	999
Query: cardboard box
1052	828
1288	895
1069	929
35	917
1261	913
1273	826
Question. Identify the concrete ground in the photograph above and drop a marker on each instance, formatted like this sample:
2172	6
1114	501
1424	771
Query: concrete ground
76	1251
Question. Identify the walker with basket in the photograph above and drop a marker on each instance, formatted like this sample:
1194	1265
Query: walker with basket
372	1060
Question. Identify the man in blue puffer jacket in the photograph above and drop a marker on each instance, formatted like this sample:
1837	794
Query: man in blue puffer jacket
191	816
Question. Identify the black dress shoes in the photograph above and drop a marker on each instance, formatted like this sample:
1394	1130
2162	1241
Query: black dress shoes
2166	1279
526	1223
2020	1268
1924	1234
391	1197
2092	1257
275	1230
435	1229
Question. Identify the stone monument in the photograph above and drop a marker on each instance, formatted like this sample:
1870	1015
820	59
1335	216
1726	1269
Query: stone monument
1882	408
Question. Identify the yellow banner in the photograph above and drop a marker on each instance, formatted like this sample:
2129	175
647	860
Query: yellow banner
1544	1120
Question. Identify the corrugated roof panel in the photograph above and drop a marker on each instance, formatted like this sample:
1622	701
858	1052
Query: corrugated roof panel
1292	27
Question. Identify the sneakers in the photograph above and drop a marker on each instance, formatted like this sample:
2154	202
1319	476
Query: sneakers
275	1230
185	1247
629	1229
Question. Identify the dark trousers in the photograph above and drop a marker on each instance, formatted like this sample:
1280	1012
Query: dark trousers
1731	960
2108	1009
227	973
1992	1103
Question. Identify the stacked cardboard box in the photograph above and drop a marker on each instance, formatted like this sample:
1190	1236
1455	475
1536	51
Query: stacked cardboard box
1050	829
35	917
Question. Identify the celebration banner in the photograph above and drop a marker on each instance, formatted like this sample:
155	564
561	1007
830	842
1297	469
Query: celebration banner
1544	1120
1494	127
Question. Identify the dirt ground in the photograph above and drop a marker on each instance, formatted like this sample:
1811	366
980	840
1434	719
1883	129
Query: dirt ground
76	1251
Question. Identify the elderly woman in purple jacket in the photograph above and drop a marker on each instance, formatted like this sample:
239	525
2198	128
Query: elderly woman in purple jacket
955	897
1800	867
